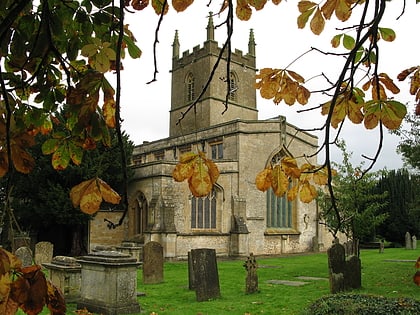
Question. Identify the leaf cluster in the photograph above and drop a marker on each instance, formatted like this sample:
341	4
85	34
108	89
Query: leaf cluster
201	173
287	177
26	288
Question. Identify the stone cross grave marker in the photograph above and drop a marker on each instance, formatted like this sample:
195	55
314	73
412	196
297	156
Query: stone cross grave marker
251	282
25	255
206	275
43	252
152	263
408	241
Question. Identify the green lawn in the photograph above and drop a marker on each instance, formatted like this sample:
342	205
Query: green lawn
379	277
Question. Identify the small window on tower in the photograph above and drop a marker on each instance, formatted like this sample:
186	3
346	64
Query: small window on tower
190	88
216	149
233	87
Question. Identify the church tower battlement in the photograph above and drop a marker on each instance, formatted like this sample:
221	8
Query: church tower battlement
190	73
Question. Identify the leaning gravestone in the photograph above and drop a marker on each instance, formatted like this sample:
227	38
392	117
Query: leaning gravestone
413	242
152	263
251	282
25	255
408	241
206	275
337	266
43	252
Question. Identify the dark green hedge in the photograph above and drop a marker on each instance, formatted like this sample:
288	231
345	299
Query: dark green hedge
363	304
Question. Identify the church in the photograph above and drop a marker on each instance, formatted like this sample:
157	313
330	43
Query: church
235	219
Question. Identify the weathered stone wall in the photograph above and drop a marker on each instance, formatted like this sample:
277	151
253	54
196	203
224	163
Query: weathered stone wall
101	235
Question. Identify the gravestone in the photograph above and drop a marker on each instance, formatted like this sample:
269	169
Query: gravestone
25	255
152	263
353	274
251	282
381	247
109	283
65	273
43	252
413	242
344	274
206	275
337	266
191	279
408	241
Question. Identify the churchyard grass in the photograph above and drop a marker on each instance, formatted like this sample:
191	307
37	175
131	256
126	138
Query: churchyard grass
379	277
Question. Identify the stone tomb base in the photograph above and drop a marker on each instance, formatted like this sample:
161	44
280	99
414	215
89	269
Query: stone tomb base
109	283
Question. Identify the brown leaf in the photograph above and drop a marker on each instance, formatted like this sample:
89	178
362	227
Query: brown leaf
328	8
22	160
55	299
4	163
212	170
183	171
181	5
317	23
37	294
243	10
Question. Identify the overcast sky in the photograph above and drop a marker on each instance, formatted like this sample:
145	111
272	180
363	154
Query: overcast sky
145	107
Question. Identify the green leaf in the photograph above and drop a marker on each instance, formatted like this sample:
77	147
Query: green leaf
61	157
76	153
348	42
387	34
50	146
133	49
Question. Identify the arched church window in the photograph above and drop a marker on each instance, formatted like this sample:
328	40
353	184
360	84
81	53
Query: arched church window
141	215
233	86
281	213
203	211
190	87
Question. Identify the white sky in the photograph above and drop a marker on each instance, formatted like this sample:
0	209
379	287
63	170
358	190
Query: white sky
145	107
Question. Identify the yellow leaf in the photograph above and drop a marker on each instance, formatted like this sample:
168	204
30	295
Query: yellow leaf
290	167
91	199
109	109
317	23
307	193
263	179
304	6
257	4
212	170
107	193
292	193
78	191
321	177
280	181
269	88
182	171
372	111
200	181
187	157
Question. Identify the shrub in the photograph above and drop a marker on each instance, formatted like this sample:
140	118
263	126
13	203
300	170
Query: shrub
363	304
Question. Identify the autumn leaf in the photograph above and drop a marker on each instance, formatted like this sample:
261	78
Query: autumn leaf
55	299
317	23
181	5
139	4
392	114
159	6
88	195
201	173
307	192
416	278
243	10
280	181
263	179
387	34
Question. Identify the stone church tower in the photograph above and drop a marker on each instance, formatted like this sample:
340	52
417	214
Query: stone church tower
190	73
235	218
